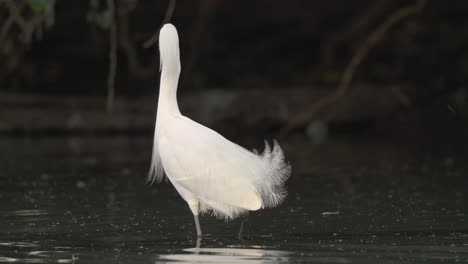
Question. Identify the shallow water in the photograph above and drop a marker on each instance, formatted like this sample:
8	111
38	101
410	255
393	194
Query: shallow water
84	200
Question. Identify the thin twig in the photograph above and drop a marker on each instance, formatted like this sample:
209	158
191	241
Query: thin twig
127	46
31	26
15	13
6	28
343	87
373	39
112	58
169	11
204	14
360	24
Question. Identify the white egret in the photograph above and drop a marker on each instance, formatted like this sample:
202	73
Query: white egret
211	173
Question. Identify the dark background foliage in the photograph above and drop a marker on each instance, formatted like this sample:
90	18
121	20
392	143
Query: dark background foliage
412	81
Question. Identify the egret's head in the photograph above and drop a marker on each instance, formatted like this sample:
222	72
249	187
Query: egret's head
169	49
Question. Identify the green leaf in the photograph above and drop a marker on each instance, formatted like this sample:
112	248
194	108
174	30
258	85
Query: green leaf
101	19
37	6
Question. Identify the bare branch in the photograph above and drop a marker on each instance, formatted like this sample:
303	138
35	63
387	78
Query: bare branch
33	25
169	11
205	12
313	110
15	13
112	58
360	24
128	47
5	28
373	39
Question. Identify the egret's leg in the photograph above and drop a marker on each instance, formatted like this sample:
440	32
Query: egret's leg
197	225
198	243
194	205
241	229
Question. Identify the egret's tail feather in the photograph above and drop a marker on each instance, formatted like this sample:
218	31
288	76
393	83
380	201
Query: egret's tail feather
271	186
267	151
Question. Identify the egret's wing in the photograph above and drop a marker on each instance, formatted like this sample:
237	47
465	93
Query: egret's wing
266	173
217	170
156	172
199	160
204	172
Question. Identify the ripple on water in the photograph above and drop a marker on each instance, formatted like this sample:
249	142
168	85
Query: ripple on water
27	252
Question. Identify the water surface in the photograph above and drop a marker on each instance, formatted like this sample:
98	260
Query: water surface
84	200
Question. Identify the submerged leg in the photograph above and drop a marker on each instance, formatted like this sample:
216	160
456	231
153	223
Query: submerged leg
198	243
194	207
241	229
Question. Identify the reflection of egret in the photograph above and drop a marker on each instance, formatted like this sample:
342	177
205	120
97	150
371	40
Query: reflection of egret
227	255
211	173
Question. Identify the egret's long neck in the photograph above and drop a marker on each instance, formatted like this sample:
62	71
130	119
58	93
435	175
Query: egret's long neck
167	103
170	70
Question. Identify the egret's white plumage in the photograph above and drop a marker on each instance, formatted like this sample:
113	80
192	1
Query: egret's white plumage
210	172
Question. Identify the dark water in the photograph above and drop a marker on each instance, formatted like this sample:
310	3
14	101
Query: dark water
84	200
